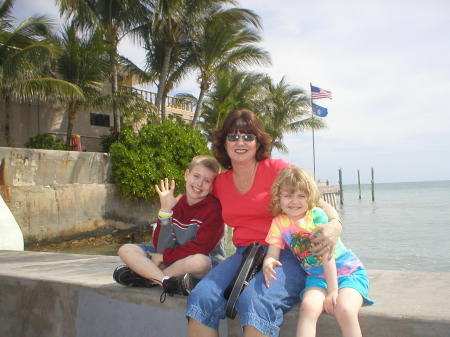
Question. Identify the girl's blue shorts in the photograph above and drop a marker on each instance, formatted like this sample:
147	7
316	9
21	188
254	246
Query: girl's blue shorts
357	280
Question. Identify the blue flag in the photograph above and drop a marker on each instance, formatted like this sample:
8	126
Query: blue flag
319	110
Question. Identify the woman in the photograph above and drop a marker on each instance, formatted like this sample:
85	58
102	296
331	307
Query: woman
244	148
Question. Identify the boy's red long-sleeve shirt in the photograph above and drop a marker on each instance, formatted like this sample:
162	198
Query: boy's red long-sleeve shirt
191	230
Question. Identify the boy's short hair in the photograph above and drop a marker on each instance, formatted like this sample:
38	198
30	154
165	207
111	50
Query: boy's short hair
206	161
293	179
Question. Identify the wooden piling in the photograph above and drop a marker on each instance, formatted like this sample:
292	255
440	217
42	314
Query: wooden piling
341	195
373	186
359	186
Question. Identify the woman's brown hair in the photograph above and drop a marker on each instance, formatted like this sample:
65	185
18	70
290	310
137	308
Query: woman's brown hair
243	121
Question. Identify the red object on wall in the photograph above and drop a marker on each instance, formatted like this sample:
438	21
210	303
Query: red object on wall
75	143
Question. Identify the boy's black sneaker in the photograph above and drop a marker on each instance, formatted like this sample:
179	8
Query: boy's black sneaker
181	285
125	276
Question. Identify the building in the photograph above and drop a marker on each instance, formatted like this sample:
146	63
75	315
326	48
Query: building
26	120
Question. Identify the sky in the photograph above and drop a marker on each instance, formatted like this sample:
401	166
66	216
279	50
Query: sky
387	64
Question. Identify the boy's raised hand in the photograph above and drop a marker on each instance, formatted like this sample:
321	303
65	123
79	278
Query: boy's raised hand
166	195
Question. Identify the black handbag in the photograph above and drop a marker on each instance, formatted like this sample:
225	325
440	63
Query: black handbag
252	260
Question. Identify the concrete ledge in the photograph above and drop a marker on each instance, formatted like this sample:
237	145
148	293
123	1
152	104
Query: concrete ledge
50	294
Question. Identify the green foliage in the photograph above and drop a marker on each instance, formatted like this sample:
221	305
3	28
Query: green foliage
46	141
107	140
141	160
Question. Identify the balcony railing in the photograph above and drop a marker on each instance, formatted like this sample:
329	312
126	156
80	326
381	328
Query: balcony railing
172	102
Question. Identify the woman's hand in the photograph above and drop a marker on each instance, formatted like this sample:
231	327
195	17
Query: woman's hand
166	195
325	237
330	302
269	265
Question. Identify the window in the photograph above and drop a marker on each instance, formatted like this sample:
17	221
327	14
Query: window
100	120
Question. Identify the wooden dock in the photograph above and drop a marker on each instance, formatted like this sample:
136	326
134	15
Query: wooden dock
329	193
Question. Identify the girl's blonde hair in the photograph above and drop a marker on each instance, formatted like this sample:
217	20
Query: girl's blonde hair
292	179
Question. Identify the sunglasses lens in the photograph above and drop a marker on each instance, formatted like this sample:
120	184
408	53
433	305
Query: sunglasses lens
233	137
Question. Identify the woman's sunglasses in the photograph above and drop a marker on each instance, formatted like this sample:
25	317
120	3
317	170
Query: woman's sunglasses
247	137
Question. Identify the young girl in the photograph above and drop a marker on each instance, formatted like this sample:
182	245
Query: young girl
338	285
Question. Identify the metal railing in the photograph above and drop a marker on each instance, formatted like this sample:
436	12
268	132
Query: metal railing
172	102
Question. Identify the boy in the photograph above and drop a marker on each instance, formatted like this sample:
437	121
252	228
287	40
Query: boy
186	237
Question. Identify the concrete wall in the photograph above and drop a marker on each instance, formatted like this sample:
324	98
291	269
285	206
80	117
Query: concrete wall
59	194
49	294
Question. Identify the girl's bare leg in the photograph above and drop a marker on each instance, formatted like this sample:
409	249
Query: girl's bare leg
197	329
347	308
137	260
310	310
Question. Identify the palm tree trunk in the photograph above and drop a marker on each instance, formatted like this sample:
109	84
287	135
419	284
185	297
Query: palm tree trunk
162	81
114	90
198	108
7	120
114	82
72	115
163	104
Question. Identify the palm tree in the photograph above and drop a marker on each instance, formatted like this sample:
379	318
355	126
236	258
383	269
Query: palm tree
172	23
284	109
116	19
225	41
231	90
25	57
84	63
180	64
281	107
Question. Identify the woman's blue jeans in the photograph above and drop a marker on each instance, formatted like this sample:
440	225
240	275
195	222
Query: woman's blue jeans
257	305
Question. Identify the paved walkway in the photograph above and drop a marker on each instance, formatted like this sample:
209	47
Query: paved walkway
51	294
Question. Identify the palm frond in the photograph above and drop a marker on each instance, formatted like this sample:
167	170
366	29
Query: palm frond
45	89
29	59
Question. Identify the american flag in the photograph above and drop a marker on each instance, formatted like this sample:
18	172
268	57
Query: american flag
318	93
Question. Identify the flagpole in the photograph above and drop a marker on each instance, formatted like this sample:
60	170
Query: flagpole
313	145
320	112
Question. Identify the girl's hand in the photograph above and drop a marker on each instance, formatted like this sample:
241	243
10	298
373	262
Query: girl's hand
325	238
269	265
166	195
330	302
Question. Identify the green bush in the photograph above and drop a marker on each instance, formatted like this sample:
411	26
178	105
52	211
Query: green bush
107	140
46	141
159	150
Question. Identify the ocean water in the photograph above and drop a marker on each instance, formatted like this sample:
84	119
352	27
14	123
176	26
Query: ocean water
407	227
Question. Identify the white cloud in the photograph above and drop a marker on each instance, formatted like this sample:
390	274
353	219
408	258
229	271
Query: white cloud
387	65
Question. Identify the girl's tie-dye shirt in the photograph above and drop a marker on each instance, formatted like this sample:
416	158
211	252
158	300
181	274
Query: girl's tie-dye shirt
296	235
